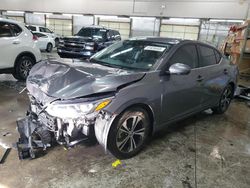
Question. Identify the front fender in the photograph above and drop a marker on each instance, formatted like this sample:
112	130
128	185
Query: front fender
102	126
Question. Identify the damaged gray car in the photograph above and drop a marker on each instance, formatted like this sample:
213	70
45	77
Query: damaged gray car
123	95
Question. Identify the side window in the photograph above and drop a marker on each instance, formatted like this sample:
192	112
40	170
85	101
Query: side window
112	34
117	35
42	29
39	35
5	30
47	30
186	54
31	28
207	56
218	56
16	29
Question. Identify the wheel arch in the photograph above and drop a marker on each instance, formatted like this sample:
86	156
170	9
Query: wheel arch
144	106
29	54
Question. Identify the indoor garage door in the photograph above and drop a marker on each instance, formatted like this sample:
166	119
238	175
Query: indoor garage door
60	26
17	18
179	31
122	27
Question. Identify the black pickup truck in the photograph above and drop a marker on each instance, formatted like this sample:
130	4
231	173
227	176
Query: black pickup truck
87	42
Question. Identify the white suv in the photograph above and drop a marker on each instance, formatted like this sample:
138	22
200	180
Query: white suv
18	49
44	30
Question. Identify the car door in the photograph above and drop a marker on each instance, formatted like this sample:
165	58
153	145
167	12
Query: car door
212	75
8	44
182	93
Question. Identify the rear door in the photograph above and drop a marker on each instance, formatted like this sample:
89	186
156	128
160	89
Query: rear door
182	93
211	72
9	42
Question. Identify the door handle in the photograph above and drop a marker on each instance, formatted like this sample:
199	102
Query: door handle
199	78
16	42
225	71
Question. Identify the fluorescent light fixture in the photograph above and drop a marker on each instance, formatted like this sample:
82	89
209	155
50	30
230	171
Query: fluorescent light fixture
184	19
42	13
236	21
15	12
67	14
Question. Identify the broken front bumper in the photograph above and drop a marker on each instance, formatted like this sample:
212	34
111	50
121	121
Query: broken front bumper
27	146
35	137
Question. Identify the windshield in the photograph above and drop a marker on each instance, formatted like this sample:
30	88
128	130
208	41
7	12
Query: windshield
131	54
94	33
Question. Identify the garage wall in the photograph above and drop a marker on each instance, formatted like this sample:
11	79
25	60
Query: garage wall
180	28
81	21
143	26
123	25
230	9
35	19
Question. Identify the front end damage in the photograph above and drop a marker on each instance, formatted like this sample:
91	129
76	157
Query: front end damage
39	131
68	104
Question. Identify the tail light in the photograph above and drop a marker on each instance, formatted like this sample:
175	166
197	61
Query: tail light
35	38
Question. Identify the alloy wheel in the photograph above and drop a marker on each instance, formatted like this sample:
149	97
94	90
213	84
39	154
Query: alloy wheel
226	98
130	134
25	67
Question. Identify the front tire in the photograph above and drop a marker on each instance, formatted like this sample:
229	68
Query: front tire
49	47
225	100
129	133
22	67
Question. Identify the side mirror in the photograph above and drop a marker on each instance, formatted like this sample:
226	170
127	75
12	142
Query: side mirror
179	69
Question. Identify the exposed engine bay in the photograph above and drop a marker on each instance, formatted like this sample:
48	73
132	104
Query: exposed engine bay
39	130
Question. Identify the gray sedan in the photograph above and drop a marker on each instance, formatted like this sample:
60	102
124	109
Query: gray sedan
124	94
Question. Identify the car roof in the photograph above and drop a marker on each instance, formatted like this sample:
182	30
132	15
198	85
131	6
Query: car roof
159	39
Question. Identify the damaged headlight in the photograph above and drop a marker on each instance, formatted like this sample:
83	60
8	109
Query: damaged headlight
76	109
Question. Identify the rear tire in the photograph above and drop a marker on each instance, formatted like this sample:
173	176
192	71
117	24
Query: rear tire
225	100
49	47
22	67
129	133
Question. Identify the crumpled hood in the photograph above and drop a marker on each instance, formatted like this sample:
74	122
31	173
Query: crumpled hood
68	79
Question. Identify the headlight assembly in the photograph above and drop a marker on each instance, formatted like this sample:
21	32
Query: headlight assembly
76	110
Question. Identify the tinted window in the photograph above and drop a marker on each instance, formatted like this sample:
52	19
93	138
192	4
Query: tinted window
16	29
207	56
39	35
44	30
218	56
5	30
31	28
186	54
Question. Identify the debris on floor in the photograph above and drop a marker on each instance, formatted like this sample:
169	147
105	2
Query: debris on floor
243	92
116	163
5	154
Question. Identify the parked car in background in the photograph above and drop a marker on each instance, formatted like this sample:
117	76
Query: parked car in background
18	50
87	42
124	94
44	41
44	30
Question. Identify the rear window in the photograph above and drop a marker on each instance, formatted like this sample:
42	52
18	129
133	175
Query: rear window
207	56
5	30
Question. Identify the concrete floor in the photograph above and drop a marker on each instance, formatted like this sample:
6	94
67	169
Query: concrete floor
203	151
